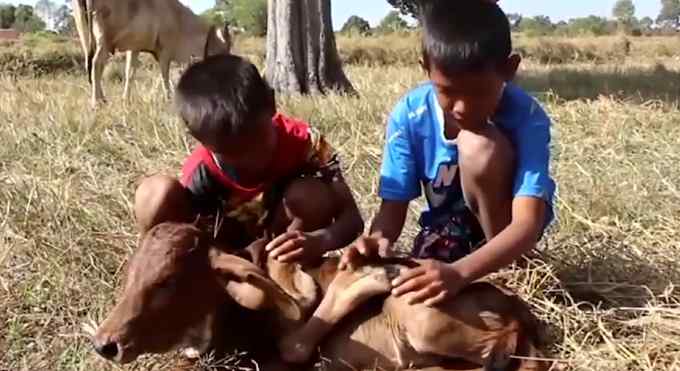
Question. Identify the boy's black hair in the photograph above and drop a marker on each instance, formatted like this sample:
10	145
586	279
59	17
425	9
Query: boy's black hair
222	96
464	35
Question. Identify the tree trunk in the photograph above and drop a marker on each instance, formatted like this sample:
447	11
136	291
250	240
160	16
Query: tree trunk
301	52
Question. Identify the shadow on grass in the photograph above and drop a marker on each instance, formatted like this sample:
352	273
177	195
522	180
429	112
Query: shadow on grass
636	84
611	274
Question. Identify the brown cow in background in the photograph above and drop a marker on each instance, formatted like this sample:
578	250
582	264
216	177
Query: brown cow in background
165	28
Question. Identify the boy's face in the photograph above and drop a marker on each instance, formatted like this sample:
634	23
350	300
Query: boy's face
470	98
252	152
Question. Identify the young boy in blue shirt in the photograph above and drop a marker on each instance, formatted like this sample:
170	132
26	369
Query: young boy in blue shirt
478	147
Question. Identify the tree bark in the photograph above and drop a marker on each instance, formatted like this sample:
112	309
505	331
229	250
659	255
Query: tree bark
301	53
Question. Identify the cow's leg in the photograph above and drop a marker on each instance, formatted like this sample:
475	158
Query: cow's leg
101	56
131	63
164	64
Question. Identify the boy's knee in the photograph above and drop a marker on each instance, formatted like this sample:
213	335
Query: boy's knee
485	156
310	201
487	167
160	198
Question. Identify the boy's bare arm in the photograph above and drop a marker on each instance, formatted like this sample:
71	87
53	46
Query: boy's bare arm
390	220
348	224
385	230
517	239
434	281
298	246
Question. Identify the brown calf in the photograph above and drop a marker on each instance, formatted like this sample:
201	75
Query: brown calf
177	283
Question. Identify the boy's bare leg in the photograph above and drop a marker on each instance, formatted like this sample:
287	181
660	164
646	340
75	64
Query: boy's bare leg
307	205
161	198
487	162
487	168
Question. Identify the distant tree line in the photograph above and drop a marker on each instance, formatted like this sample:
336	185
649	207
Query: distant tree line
45	15
623	20
250	16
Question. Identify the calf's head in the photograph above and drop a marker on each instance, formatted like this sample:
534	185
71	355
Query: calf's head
175	282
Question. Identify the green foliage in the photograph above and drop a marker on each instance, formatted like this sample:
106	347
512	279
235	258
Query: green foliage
536	26
25	19
356	25
406	7
251	15
68	27
624	11
214	17
515	19
7	18
64	23
646	23
670	11
592	25
392	23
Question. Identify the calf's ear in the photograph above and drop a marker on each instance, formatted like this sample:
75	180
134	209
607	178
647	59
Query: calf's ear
250	286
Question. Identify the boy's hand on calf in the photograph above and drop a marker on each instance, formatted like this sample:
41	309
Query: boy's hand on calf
430	284
298	247
365	248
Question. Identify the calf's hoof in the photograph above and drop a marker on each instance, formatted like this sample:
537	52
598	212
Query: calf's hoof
191	353
294	350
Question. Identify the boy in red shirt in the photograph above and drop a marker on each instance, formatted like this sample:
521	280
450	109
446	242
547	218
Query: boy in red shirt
255	168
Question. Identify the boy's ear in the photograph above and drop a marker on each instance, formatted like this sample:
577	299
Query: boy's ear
510	67
424	64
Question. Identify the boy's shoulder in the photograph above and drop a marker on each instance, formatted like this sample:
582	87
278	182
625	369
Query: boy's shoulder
415	103
518	105
303	151
301	143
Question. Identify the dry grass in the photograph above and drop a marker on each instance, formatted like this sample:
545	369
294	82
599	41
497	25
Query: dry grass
40	54
404	49
68	175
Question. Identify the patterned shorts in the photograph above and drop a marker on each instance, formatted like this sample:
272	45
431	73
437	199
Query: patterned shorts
450	240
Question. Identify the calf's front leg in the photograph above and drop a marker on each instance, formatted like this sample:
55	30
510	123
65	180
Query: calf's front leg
347	291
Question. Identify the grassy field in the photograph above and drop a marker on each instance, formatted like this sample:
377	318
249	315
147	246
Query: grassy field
38	55
607	288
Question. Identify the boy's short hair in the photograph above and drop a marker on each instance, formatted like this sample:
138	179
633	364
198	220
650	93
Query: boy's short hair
464	35
221	96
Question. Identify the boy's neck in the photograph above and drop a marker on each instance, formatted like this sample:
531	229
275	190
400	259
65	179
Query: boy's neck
451	129
244	177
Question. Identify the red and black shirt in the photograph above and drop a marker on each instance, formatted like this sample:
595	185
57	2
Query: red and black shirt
300	151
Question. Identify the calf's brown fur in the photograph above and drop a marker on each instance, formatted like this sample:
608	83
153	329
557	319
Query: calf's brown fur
177	283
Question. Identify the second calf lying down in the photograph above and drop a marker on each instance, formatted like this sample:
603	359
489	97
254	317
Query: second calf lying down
177	280
357	323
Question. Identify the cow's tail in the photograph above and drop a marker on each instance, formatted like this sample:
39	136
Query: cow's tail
82	13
